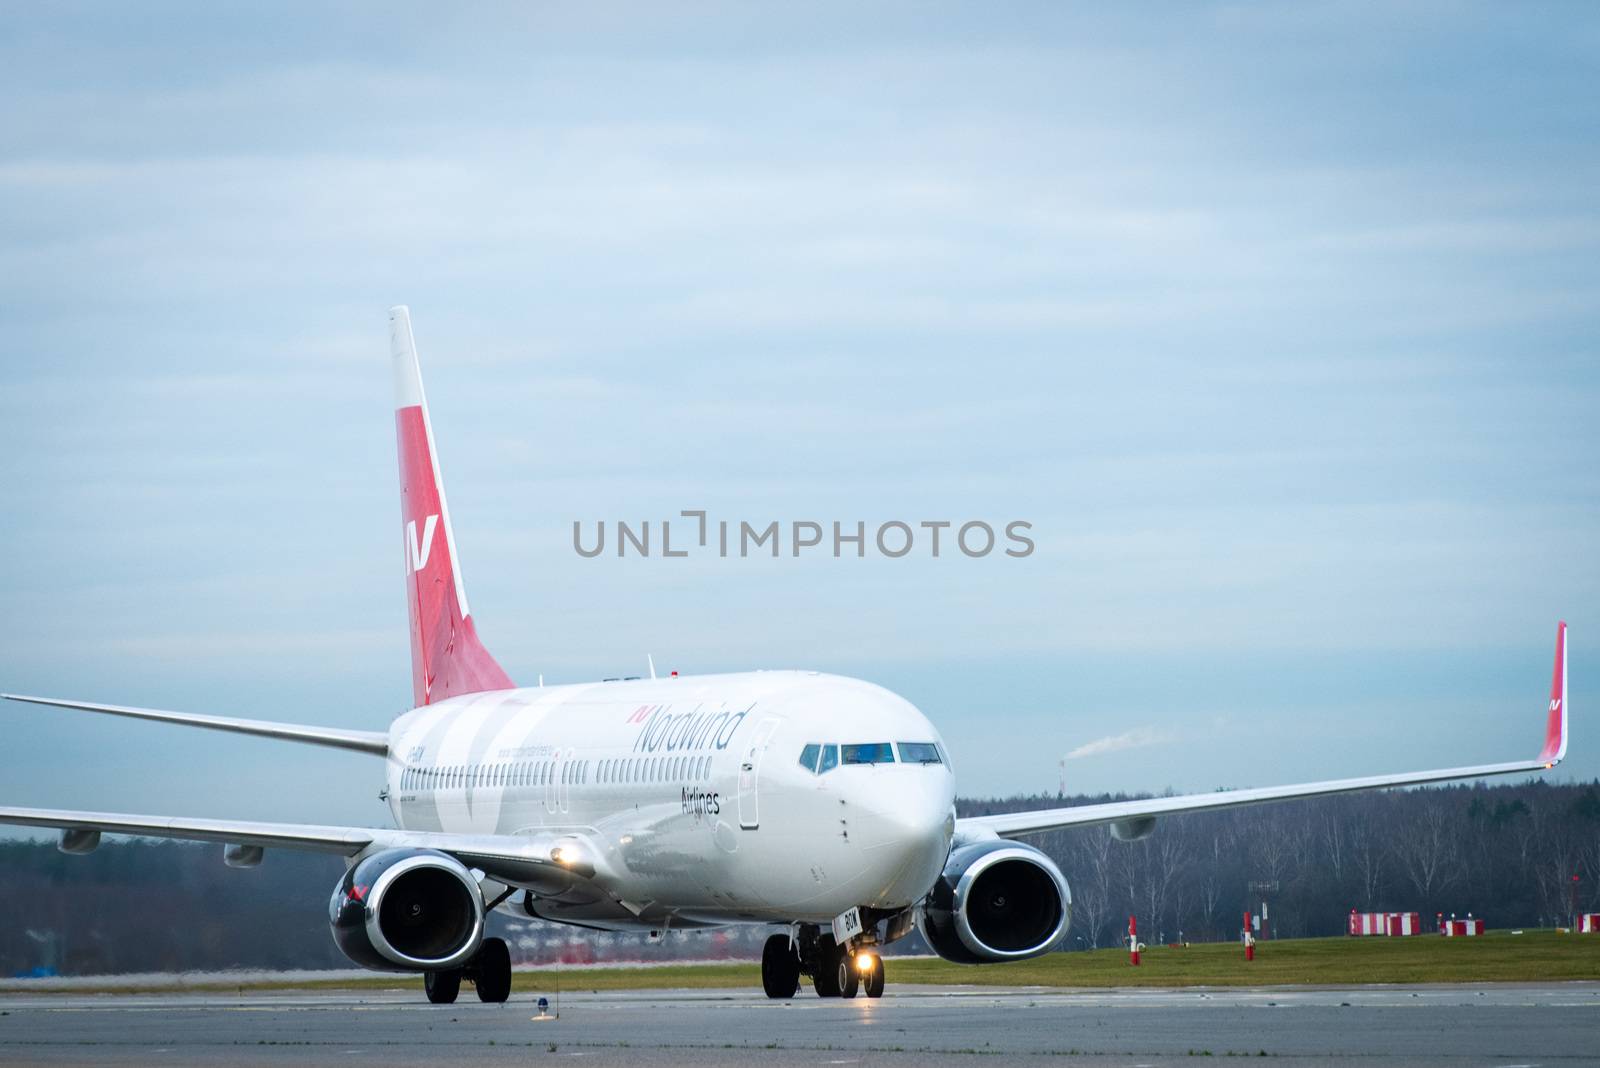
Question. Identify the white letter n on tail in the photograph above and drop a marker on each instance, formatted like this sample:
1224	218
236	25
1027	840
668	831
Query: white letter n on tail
417	552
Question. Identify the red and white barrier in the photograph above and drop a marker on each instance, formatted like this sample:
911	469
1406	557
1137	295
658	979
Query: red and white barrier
1404	923
1589	923
1384	923
1457	928
1368	923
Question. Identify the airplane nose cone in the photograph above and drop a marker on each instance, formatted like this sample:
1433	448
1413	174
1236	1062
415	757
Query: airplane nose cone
910	823
917	812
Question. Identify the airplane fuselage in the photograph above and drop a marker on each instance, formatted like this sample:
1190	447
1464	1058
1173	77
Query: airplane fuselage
693	792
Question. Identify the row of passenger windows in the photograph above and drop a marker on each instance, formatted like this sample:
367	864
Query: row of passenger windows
818	758
570	773
657	769
458	776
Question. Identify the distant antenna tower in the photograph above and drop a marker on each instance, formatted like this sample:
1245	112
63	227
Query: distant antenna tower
1061	791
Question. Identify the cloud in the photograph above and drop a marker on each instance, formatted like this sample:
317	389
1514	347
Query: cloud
1138	738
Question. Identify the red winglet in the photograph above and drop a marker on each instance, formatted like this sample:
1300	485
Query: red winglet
1555	731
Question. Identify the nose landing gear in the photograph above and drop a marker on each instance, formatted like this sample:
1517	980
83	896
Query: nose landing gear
871	970
847	979
836	971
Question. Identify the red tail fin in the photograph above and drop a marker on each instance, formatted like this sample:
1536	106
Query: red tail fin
447	659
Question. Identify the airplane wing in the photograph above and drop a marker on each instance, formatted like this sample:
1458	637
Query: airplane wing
345	841
1131	819
375	742
524	857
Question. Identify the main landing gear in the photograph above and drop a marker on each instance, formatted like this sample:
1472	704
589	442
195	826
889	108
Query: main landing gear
780	967
489	972
836	971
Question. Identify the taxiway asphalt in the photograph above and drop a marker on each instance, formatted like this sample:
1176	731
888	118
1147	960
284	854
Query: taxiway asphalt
1490	1025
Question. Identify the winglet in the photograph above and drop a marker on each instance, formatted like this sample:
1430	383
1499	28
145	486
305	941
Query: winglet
1555	731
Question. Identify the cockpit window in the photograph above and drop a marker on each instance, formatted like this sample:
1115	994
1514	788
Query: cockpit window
920	753
808	757
870	753
830	759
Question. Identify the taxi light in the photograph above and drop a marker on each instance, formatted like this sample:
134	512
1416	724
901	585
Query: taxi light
863	962
559	855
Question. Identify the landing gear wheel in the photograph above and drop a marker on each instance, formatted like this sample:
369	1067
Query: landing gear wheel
825	976
873	982
442	987
848	978
780	967
491	971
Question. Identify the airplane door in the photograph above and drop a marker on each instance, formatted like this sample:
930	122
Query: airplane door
749	773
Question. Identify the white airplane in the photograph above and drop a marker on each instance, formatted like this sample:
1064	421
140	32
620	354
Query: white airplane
819	806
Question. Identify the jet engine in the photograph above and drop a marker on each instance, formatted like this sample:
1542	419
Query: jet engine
408	910
996	901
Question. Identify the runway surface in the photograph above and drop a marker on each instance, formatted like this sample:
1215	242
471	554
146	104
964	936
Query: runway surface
1540	1024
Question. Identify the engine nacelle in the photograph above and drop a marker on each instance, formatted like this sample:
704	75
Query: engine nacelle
408	910
996	901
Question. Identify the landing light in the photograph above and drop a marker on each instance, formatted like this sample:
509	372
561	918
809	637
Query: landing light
560	855
864	962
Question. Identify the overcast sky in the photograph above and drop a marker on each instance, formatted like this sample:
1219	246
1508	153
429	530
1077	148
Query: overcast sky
1277	322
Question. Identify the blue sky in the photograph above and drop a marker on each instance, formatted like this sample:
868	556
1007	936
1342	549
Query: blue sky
1278	322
